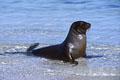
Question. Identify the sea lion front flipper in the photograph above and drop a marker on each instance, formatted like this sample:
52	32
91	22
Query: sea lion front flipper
32	47
72	60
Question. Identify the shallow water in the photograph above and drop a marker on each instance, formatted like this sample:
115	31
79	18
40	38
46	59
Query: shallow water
24	22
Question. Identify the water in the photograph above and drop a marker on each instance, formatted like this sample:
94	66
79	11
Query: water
47	22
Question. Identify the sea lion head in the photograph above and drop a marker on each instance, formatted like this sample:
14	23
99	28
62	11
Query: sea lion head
80	27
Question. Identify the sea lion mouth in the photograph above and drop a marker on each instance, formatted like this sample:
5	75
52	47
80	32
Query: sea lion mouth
82	28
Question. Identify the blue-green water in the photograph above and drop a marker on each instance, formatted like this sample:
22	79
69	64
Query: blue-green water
23	22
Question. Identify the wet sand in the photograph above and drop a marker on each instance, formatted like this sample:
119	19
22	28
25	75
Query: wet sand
17	65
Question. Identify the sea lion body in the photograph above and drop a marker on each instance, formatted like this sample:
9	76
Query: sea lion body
51	52
76	45
73	47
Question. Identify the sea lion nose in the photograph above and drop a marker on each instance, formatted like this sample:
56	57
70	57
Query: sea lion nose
88	25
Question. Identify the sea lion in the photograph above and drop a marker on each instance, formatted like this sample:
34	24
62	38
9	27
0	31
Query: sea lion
73	47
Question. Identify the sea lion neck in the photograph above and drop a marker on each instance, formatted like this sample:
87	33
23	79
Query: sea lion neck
78	31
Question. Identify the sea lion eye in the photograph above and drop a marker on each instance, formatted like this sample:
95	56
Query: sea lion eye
82	23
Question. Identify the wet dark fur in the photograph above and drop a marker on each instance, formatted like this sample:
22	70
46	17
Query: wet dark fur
71	48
